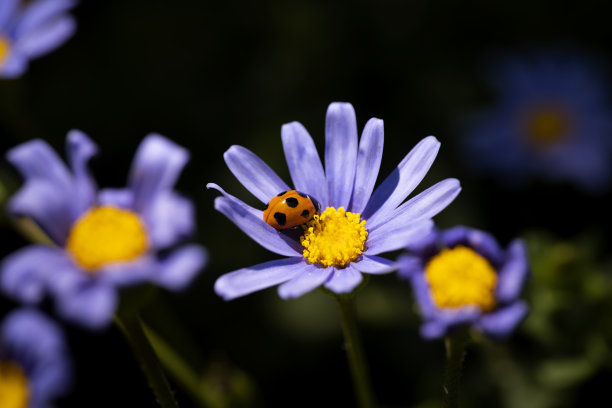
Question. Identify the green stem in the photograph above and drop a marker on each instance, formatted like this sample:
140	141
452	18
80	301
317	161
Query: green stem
131	326
455	353
354	352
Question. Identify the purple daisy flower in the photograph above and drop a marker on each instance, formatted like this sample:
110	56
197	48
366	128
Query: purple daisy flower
344	240
461	277
552	121
31	30
103	240
34	363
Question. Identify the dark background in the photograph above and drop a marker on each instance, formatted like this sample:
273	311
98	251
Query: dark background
212	74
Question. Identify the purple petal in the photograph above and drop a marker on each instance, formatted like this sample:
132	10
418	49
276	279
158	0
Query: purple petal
422	295
482	242
425	205
392	236
340	153
448	319
36	159
8	9
46	38
25	273
91	305
303	161
501	323
129	273
156	168
409	265
40	12
255	227
375	265
180	268
255	175
403	180
368	163
258	277
344	280
513	273
80	150
169	218
311	277
116	197
14	65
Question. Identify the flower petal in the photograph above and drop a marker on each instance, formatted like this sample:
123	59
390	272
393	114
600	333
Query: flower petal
344	280
180	268
483	242
340	153
425	205
14	65
117	197
368	163
80	150
303	161
46	38
409	265
7	11
258	277
157	165
169	218
92	304
26	272
310	278
375	265
403	180
255	175
502	322
255	227
40	12
513	273
392	236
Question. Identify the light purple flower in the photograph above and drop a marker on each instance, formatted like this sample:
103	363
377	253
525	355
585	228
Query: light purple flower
31	30
33	348
511	268
351	169
60	200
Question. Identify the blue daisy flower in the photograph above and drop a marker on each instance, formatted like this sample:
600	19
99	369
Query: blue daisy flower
34	364
31	30
104	239
355	226
461	277
553	121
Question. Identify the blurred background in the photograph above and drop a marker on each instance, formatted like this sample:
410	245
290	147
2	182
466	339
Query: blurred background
212	74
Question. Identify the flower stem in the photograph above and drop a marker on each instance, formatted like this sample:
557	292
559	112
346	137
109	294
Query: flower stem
455	353
354	352
131	326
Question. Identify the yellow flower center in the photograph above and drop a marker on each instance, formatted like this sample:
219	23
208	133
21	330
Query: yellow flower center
546	126
460	277
5	48
106	234
334	238
14	391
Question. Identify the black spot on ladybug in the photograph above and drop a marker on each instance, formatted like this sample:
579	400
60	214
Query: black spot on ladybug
292	202
305	213
302	194
280	218
266	207
281	194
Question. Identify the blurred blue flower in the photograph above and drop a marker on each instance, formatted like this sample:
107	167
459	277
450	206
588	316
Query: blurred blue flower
461	277
552	121
34	364
103	240
339	245
30	30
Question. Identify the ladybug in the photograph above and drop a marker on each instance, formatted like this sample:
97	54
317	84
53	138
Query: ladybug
289	209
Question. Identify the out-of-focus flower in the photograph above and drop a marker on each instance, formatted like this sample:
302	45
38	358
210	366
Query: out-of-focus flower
461	277
103	240
553	121
356	226
30	30
34	364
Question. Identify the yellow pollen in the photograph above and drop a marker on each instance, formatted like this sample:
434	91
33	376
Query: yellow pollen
334	238
546	126
105	235
14	392
5	48
460	277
